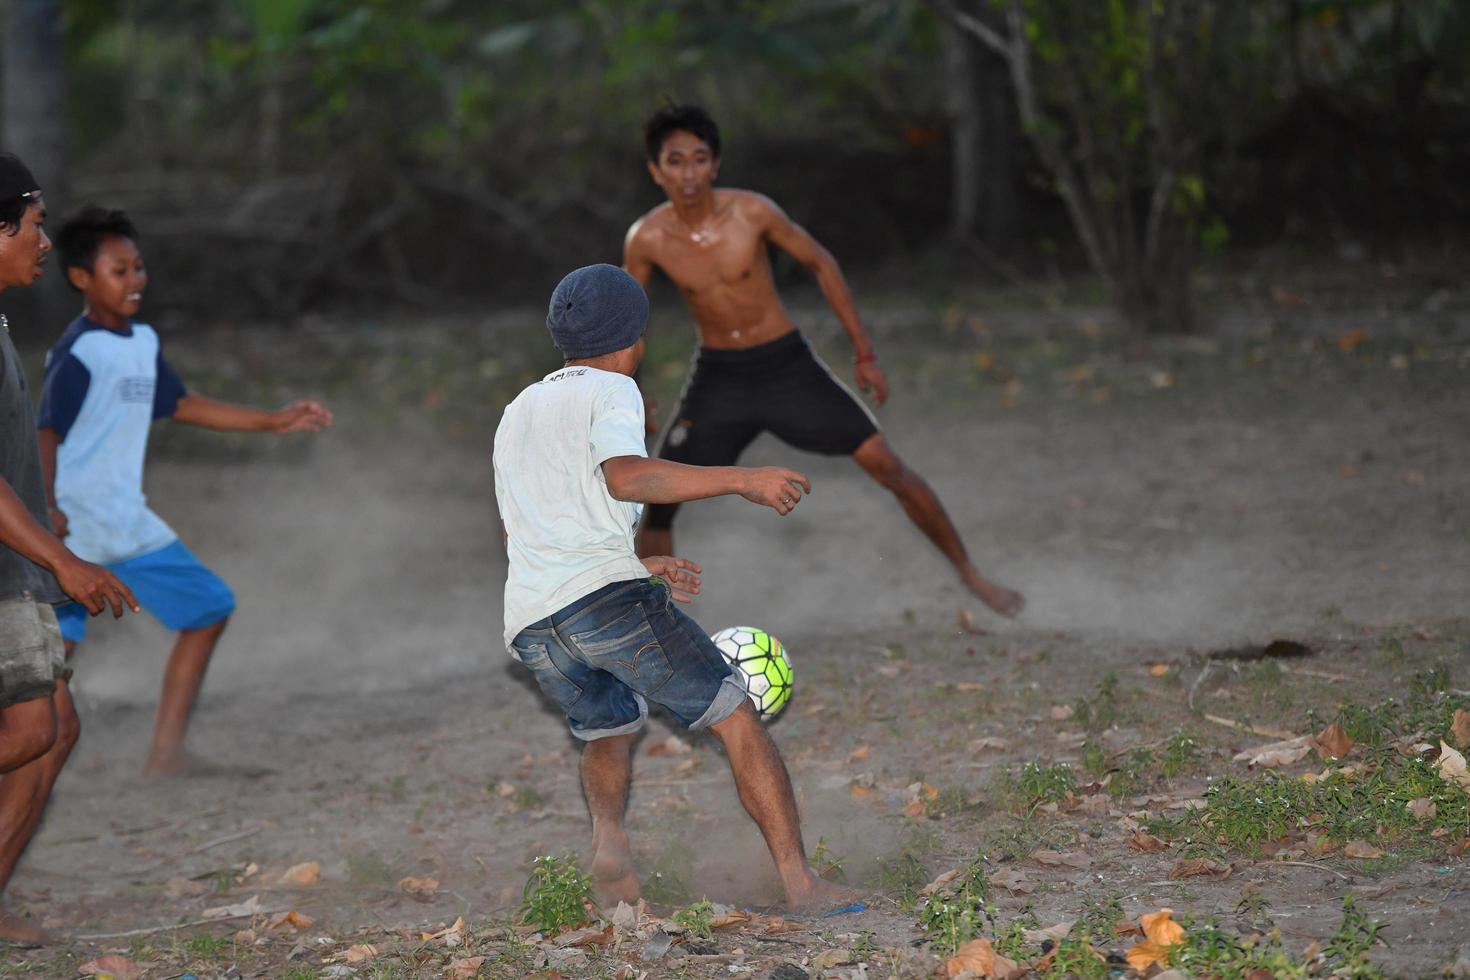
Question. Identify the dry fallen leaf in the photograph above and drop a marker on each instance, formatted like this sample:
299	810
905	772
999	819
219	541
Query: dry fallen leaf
457	927
1361	849
978	957
1460	728
967	623
593	935
1423	808
465	969
1054	933
913	809
829	959
1013	880
418	886
1061	712
1277	753
1146	954
858	754
940	882
1451	766
1348	341
305	873
117	967
184	888
1072	859
1198	867
361	953
1158	670
293	918
1161	928
988	742
250	906
1332	742
1147	842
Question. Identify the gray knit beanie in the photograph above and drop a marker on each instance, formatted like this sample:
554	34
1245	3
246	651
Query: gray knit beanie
596	310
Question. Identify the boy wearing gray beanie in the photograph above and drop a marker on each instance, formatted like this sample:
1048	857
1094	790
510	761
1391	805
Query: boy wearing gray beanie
595	624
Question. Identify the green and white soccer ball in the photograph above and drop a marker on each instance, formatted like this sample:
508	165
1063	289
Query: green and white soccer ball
761	665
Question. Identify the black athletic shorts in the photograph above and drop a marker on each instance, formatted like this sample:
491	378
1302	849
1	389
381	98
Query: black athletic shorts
780	387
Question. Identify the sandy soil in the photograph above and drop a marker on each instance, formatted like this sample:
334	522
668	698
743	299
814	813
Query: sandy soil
1169	499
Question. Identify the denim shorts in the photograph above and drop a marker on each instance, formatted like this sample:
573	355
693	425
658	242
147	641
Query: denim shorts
31	653
605	656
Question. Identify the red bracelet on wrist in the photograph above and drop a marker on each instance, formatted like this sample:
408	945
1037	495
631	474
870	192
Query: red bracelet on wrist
868	358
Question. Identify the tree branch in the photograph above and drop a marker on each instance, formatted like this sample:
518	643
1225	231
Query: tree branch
976	28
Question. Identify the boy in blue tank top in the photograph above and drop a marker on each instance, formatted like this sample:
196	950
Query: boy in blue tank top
106	382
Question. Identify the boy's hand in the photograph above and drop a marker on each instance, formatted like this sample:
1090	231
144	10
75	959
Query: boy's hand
650	415
94	586
58	521
775	487
307	415
681	574
870	381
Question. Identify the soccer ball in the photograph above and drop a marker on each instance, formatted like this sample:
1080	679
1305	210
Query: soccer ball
761	665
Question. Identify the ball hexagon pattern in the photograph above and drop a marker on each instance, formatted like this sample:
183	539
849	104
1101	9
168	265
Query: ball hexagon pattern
761	665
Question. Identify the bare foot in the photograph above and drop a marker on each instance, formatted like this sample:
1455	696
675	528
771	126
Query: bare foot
1007	602
821	895
14	929
185	763
612	873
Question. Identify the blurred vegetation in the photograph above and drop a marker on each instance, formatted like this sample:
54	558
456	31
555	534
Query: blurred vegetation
282	155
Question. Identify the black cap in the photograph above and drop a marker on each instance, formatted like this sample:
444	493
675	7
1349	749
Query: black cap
15	178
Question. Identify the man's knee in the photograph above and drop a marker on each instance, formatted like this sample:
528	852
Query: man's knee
68	726
23	745
881	463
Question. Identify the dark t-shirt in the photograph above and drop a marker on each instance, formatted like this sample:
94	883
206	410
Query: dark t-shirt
20	466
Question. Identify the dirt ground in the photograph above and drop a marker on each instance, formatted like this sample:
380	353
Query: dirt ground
1302	474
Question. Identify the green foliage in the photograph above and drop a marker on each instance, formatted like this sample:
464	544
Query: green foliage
901	874
697	919
1347	950
1101	710
206	947
555	895
1180	754
828	865
957	912
1036	784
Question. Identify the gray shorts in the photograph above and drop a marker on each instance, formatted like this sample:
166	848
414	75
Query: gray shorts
32	655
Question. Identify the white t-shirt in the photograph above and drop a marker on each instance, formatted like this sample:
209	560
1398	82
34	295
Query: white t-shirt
567	535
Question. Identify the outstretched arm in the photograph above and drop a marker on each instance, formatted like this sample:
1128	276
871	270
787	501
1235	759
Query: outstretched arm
801	246
196	409
91	585
660	481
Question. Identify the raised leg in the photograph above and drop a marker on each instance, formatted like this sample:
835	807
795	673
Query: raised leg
765	791
181	682
23	795
923	507
607	769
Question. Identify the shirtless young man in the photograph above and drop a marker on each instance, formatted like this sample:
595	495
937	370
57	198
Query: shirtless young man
754	372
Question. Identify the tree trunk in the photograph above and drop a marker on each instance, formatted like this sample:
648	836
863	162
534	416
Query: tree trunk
35	120
962	104
1000	135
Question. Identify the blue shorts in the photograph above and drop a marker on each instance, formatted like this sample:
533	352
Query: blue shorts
605	656
171	584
